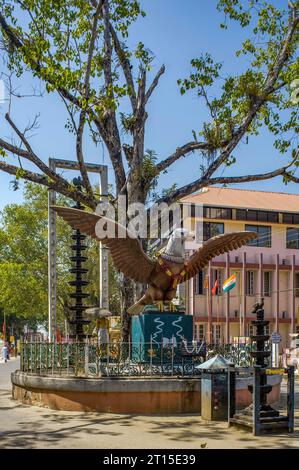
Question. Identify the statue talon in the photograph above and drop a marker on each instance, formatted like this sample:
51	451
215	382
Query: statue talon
160	305
171	306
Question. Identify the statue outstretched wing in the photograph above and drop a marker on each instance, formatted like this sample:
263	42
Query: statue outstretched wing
216	246
126	251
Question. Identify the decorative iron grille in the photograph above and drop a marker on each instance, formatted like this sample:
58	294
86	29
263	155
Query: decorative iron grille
90	359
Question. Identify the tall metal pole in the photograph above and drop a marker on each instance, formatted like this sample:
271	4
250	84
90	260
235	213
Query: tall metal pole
52	261
103	252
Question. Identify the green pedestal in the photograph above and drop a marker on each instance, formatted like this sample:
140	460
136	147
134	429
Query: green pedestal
151	331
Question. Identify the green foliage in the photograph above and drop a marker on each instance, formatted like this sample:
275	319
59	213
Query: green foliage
144	55
267	26
20	174
128	122
149	173
3	154
205	72
56	37
166	192
23	255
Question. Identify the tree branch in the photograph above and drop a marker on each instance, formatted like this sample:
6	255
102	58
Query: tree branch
30	155
109	134
181	152
269	88
113	138
107	47
28	175
202	182
154	84
13	38
79	144
293	178
15	150
45	181
20	134
140	118
126	66
282	57
18	44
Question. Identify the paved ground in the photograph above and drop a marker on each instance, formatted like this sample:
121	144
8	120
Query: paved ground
23	426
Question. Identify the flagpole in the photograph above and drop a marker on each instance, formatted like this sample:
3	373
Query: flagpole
218	306
240	304
4	329
208	309
209	306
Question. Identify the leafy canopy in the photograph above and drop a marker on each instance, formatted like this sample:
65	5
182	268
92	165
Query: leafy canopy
267	26
56	40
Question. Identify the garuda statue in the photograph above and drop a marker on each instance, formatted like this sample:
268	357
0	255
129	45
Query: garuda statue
161	274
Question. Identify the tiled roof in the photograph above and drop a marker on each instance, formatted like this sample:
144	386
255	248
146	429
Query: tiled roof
245	198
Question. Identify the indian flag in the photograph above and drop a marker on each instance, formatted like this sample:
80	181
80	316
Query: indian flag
230	283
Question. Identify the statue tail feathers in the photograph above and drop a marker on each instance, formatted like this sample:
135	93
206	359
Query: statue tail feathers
136	308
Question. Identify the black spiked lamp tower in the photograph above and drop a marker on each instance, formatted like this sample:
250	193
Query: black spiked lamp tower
261	354
260	415
79	271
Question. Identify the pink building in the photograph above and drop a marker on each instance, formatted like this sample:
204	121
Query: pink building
268	268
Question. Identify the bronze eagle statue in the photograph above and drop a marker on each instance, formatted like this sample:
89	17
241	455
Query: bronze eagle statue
161	274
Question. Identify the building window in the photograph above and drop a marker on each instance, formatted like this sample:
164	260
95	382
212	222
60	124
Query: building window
250	283
297	285
288	218
216	333
199	281
250	330
293	238
264	235
217	213
241	214
267	283
199	331
207	230
257	216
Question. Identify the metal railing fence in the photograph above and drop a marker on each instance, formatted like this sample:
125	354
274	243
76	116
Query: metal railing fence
91	359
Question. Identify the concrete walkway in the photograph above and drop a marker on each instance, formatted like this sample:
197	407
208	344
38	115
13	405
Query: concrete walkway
28	427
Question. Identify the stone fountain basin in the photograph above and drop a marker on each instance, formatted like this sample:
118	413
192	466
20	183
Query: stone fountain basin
131	395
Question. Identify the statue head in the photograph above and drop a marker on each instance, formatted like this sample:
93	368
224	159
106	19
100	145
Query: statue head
258	306
175	248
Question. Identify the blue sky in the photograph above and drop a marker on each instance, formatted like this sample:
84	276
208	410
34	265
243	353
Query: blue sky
176	31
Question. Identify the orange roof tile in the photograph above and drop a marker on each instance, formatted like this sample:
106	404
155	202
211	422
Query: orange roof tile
245	198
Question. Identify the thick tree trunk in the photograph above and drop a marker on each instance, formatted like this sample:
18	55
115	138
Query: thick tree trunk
128	298
129	289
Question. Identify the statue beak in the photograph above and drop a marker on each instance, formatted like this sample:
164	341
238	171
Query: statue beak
190	237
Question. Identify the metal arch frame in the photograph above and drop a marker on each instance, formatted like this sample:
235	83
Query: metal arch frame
102	170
